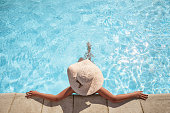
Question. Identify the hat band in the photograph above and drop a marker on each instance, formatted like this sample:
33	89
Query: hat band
80	85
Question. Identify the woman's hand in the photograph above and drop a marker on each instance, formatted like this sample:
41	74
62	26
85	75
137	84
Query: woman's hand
31	93
139	94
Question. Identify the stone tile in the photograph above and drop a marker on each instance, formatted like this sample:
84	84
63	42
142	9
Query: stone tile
90	104
156	103
129	106
6	101
24	105
63	106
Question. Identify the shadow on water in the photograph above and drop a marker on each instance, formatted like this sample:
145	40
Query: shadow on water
68	106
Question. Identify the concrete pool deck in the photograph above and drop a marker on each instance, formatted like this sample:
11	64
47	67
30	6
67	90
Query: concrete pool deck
17	103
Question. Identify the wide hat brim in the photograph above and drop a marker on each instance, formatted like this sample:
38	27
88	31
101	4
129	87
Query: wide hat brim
88	70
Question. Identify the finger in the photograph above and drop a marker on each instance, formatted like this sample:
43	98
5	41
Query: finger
29	96
144	97
145	94
27	93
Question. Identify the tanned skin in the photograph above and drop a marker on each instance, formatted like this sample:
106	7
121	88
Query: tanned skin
102	91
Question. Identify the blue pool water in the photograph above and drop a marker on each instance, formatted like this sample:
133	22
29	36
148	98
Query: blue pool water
130	41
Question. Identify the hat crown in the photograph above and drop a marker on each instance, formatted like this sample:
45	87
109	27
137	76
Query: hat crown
84	78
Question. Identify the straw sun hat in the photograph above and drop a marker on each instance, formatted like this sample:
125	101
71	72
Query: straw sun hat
85	77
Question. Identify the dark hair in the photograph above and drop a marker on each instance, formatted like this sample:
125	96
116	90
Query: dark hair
80	59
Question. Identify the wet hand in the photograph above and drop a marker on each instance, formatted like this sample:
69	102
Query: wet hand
31	93
140	95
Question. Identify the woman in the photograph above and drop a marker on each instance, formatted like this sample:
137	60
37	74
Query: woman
102	91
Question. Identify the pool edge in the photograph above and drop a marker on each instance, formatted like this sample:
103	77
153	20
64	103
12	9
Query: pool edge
16	103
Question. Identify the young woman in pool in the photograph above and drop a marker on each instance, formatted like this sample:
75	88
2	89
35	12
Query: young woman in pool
102	91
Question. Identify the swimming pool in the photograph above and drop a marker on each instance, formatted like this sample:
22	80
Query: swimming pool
39	39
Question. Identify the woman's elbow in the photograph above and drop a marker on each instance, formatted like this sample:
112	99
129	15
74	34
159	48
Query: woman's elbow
115	99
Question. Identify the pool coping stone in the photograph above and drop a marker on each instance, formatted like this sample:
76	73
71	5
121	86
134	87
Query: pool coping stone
17	103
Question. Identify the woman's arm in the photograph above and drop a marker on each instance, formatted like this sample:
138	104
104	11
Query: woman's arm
119	98
65	93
